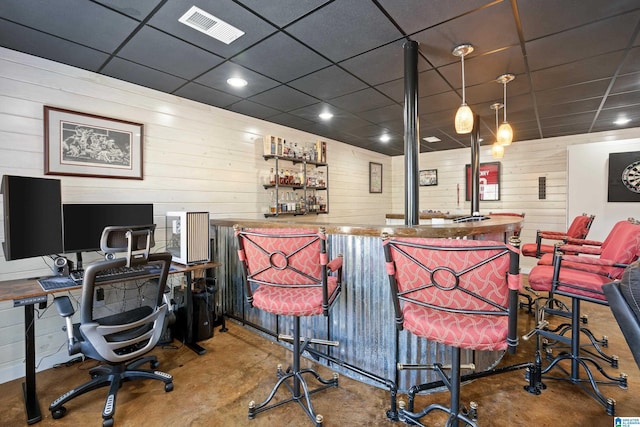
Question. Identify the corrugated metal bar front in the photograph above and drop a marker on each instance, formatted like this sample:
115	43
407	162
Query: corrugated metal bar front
361	320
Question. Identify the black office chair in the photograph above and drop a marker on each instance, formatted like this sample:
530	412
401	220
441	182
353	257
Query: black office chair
119	340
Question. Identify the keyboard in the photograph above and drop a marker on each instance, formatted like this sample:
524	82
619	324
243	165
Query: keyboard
57	283
114	274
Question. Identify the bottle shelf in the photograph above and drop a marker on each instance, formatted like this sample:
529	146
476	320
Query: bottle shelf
301	193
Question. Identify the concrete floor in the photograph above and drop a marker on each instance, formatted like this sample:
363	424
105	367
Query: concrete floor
214	390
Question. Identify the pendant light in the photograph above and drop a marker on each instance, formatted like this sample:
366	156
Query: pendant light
464	115
505	132
497	150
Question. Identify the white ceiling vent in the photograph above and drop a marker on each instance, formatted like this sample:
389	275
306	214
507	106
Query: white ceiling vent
210	25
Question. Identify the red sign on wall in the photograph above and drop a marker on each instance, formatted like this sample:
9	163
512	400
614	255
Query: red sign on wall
489	181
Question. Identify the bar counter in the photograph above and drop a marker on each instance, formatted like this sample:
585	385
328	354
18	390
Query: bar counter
362	317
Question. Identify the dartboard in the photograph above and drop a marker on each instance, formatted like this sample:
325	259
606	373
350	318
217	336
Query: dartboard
631	177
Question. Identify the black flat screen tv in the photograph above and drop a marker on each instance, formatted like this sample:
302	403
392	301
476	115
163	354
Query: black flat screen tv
32	217
83	223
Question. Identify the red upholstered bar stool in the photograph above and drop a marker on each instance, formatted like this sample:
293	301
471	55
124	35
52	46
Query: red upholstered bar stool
544	247
286	273
578	229
461	293
581	278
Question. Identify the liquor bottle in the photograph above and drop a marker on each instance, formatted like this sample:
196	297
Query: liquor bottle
272	177
273	203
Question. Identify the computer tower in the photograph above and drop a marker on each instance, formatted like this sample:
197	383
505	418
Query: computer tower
188	237
204	316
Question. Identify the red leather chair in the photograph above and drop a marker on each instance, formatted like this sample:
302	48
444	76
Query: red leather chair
581	278
461	293
578	229
286	273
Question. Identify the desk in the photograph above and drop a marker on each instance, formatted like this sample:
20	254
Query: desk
28	292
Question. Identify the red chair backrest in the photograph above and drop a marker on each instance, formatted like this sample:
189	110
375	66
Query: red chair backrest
580	226
468	275
622	245
283	256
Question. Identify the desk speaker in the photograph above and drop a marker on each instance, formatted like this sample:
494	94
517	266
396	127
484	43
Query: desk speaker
61	266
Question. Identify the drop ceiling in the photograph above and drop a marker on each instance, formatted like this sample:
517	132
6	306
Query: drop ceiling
576	62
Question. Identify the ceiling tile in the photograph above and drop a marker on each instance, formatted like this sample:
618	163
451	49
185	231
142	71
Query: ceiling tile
330	30
282	58
591	40
26	40
206	95
537	21
282	12
162	52
284	98
437	43
138	10
328	83
143	76
105	31
253	109
363	100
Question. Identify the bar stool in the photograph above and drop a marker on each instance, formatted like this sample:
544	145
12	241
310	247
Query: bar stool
461	293
286	273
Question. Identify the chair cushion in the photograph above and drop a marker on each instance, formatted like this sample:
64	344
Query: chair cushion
292	300
477	332
588	284
630	287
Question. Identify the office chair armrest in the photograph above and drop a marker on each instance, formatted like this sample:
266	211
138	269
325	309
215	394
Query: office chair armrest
335	264
65	309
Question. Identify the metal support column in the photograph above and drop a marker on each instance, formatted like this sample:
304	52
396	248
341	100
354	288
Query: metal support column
411	133
475	166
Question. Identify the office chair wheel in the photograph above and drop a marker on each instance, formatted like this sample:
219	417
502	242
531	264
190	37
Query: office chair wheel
59	413
154	364
108	422
168	387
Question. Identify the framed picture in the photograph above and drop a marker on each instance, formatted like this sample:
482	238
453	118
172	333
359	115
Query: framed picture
84	144
624	177
428	177
375	177
489	181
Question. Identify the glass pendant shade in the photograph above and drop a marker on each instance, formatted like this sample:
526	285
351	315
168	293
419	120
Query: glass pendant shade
464	115
505	134
464	119
497	151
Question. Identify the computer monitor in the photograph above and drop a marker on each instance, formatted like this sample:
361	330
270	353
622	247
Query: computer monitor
84	223
32	217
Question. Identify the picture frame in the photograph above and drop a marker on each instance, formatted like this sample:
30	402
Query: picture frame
489	181
624	177
428	177
375	177
82	144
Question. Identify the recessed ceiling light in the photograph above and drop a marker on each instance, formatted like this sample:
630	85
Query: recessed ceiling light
237	82
622	121
325	116
432	139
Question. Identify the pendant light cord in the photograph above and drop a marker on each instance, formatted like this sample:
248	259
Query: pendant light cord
463	84
505	101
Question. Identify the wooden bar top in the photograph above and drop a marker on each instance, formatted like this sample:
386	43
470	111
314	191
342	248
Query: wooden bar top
497	224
